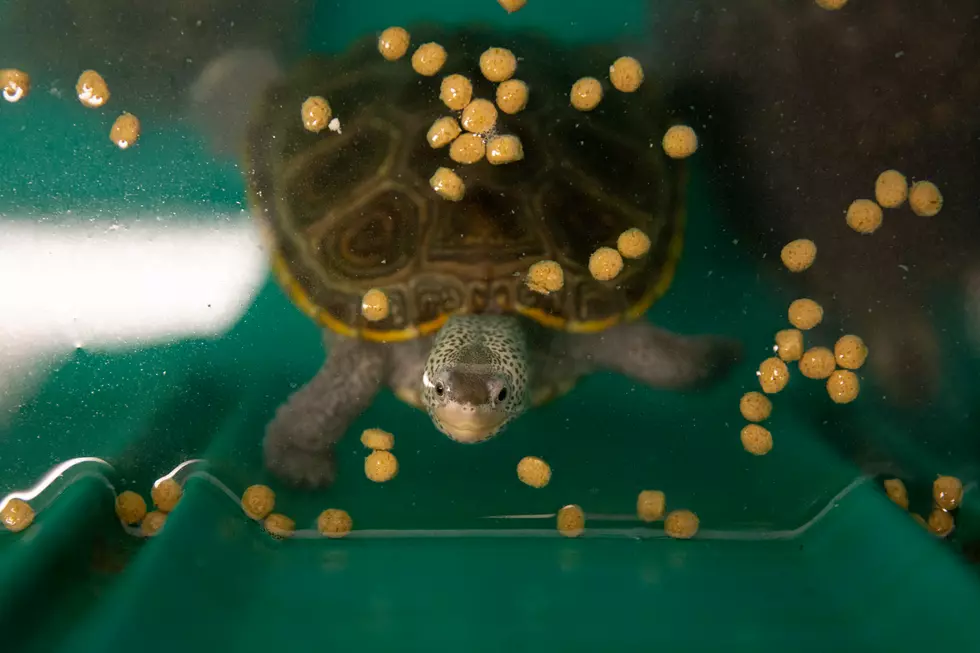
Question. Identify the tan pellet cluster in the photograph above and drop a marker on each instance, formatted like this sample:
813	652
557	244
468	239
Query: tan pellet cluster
93	92
626	74
512	96
680	142
681	524
334	523
510	6
605	263
843	386
393	43
947	491
533	471
16	84
504	149
378	440
805	314
755	406
891	189
443	132
651	505
850	352
586	94
130	507
864	216
925	200
125	130
381	466
817	363
456	91
467	149
897	492
545	277
166	494
279	526
757	440
571	521
374	305
315	113
799	254
447	184
428	59
940	522
258	501
831	5
498	64
17	515
153	523
789	344
773	375
479	116
633	243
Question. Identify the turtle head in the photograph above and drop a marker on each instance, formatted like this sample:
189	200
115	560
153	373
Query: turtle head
475	378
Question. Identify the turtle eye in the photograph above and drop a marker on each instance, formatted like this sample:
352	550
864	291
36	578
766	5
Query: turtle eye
440	388
502	395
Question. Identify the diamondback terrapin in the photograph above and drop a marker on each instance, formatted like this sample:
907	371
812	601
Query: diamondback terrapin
465	338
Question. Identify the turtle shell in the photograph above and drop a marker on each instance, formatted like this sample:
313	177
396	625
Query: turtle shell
350	211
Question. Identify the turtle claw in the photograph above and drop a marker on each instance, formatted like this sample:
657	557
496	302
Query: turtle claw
299	467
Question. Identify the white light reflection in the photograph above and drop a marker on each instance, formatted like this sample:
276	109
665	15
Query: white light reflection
48	479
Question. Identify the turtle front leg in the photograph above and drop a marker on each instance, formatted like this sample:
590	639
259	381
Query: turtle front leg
299	441
657	357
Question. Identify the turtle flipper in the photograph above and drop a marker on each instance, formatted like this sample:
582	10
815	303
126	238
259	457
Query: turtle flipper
299	442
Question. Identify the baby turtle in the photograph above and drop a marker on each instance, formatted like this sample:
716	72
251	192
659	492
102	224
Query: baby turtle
465	338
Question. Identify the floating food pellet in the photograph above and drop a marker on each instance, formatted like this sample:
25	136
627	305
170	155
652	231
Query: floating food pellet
479	116
626	74
467	149
443	132
510	6
680	142
512	96
92	90
334	126
374	305
533	471
456	92
586	94
130	507
545	277
891	189
864	216
166	494
258	501
633	243
948	492
498	64
896	491
316	113
429	59
381	466
805	314
571	521
831	5
504	149
799	254
925	200
773	375
16	84
334	523
393	43
650	505
843	386
447	184
756	439
153	523
850	352
940	522
377	439
605	263
755	406
279	526
681	524
125	130
789	344
17	515
817	363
